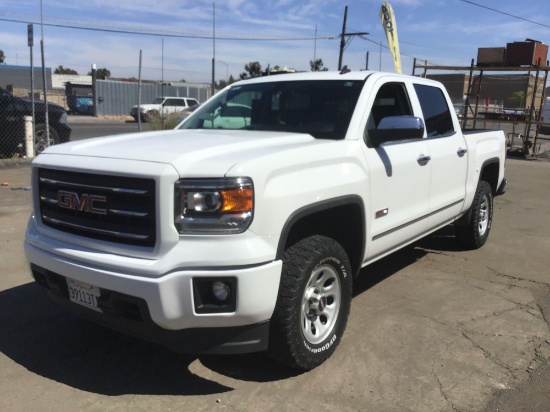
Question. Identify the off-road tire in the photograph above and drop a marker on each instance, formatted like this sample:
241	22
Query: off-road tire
313	303
472	230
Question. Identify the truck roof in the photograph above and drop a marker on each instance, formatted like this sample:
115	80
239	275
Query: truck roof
325	75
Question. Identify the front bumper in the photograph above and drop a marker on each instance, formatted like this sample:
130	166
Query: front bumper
64	132
161	307
131	316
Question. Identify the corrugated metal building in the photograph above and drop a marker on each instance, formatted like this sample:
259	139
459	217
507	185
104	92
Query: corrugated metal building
19	77
114	98
117	98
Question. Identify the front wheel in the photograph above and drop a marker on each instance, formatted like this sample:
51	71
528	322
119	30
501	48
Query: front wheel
473	229
313	304
41	139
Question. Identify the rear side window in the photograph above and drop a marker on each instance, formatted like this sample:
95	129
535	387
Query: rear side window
437	116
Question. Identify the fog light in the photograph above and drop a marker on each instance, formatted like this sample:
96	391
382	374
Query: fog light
221	290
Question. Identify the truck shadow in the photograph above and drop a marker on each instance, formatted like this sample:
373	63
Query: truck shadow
59	346
442	240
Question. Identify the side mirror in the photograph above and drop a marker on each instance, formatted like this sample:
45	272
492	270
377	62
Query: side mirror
393	128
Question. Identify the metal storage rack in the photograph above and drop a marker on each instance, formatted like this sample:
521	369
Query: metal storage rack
532	118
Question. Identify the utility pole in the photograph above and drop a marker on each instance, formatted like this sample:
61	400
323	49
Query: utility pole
315	47
213	85
345	38
44	81
30	33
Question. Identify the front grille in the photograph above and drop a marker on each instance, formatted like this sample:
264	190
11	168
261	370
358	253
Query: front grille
111	208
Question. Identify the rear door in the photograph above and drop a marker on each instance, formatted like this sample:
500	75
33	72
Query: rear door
448	152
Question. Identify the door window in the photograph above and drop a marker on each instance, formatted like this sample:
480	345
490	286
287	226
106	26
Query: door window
437	116
391	100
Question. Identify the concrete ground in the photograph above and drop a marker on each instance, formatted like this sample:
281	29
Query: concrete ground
432	328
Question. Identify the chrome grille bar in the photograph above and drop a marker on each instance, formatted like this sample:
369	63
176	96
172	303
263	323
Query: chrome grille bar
95	230
83	186
110	208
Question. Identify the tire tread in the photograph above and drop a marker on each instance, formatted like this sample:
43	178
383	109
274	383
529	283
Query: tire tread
297	260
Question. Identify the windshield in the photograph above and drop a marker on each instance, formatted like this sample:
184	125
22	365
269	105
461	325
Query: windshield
158	100
321	108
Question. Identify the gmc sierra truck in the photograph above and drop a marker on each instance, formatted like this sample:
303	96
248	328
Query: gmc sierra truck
243	229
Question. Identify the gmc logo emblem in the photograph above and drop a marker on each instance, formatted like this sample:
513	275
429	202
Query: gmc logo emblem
83	203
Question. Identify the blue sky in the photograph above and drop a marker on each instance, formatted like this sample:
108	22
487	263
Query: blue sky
445	32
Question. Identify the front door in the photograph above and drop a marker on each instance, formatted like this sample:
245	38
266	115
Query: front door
400	173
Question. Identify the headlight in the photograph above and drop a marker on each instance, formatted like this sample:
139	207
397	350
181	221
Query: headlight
222	206
63	118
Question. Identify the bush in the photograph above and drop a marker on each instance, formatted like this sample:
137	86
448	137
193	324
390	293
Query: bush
164	123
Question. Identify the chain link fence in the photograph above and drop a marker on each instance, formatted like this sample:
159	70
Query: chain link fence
24	115
28	124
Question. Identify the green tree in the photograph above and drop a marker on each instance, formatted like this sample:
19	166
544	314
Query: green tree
317	65
2	56
517	99
64	70
224	83
101	73
252	69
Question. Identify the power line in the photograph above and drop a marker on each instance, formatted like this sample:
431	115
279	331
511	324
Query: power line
173	35
506	14
379	43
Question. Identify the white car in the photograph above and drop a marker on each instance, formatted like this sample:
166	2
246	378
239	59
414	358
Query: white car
162	106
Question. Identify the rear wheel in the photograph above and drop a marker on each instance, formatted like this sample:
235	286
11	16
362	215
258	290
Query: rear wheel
313	303
473	229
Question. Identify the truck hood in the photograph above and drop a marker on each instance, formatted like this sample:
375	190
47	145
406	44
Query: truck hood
193	153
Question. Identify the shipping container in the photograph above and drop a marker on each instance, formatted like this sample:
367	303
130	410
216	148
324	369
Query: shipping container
491	56
527	53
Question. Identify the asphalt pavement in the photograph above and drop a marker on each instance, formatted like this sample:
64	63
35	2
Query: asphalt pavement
432	328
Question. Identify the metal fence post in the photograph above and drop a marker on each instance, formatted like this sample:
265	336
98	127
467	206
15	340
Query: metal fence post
29	141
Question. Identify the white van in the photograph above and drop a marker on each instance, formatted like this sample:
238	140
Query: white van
545	117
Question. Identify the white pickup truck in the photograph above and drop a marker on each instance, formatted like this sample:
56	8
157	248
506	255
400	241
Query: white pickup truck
243	229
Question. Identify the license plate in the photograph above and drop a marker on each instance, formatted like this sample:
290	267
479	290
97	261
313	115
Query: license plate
83	294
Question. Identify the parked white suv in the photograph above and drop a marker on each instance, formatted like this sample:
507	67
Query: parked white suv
162	106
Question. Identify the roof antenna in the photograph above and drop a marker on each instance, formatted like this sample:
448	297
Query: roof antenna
345	70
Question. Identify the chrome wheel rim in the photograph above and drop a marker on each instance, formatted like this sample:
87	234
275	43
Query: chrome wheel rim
483	216
321	304
41	140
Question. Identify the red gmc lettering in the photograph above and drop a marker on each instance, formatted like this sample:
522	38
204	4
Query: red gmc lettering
82	203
